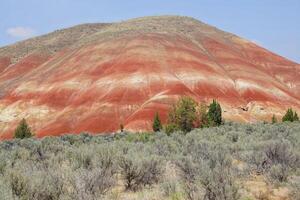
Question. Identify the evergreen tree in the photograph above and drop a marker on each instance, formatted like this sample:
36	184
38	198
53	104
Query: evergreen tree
156	123
23	130
274	119
183	114
296	118
215	113
289	116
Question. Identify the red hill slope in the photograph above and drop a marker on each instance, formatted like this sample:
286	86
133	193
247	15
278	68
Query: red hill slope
94	77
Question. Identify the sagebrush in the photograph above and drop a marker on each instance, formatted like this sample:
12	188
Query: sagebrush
90	167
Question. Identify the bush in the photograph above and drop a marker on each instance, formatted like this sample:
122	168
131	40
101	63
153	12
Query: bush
171	128
82	159
281	153
278	173
23	130
46	186
204	119
290	116
233	136
169	188
280	160
156	123
139	173
189	175
93	184
212	173
274	119
18	184
215	113
258	159
183	114
139	137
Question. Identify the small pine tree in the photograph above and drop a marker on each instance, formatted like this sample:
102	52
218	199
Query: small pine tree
296	118
289	116
215	113
156	123
274	119
23	130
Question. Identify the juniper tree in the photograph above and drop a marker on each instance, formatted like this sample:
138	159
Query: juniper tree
183	114
296	118
156	123
289	116
23	130
215	113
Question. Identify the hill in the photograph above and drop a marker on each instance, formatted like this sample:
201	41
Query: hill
95	77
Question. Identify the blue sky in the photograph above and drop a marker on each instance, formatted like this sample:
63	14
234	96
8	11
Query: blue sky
274	24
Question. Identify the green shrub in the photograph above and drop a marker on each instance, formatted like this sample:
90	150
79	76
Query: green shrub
290	116
157	126
204	119
183	114
139	137
171	128
215	113
274	119
23	130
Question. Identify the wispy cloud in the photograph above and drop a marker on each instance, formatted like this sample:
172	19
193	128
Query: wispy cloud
21	32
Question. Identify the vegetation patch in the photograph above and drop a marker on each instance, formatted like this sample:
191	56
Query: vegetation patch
205	163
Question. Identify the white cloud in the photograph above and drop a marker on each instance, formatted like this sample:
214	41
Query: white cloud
20	32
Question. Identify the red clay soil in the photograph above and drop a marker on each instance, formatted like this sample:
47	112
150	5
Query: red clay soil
124	77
